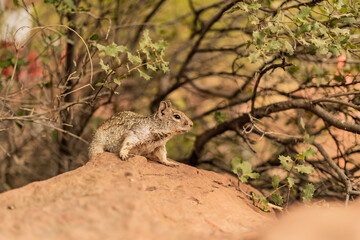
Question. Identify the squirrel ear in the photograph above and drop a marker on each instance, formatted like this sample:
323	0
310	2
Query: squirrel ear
169	103
163	107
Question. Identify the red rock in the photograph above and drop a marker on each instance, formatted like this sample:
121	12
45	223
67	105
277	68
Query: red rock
137	199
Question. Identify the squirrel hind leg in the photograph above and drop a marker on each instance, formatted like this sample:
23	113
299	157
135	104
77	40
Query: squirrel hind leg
95	150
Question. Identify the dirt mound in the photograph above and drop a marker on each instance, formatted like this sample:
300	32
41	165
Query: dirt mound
137	199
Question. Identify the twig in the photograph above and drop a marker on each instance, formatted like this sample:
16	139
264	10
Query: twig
261	74
337	169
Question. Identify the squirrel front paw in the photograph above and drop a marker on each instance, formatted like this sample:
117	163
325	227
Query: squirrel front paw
125	157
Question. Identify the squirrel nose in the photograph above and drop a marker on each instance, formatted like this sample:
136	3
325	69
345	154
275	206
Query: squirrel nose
191	124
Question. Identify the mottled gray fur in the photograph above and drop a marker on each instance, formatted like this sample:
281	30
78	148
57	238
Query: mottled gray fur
128	133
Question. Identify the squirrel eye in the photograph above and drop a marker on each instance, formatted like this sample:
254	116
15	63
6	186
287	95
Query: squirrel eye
176	116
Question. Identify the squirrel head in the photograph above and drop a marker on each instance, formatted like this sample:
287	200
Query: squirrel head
174	120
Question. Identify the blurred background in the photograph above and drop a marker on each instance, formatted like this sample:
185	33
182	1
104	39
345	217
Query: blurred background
268	84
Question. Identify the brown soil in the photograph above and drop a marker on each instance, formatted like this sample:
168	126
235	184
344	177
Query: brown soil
137	199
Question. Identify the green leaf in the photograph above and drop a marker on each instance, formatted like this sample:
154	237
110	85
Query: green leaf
338	4
160	45
8	53
111	50
273	45
290	182
339	31
254	6
259	38
235	163
253	56
301	168
117	81
286	162
145	40
16	3
310	152
287	28
133	58
305	27
55	135
256	198
5	63
243	170
335	50
220	116
304	13
275	181
104	67
70	4
308	192
239	6
289	48
94	37
348	20
308	139
151	67
144	75
277	199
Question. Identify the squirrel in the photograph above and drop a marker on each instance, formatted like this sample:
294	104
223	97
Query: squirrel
128	133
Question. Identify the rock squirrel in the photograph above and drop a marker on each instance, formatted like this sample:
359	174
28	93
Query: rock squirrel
129	133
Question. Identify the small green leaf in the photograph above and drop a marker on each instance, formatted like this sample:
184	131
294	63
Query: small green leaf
160	45
308	139
259	38
104	67
253	56
244	170
70	3
111	50
301	168
275	181
273	45
55	135
261	200
144	75
286	162
254	6
305	27
308	192
117	81
277	199
16	3
348	20
235	163
98	84
94	37
239	6
304	13
151	67
220	116
133	58
289	48
290	32
310	152
145	40
290	182
5	63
